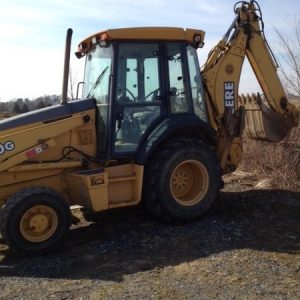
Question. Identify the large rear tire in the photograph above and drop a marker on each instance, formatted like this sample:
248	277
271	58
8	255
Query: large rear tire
35	221
182	180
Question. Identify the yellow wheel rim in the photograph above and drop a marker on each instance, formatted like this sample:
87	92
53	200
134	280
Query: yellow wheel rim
38	223
189	182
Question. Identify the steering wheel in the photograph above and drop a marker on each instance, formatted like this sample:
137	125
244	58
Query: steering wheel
131	94
152	93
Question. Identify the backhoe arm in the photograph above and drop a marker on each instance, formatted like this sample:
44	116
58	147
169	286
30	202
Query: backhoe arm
265	119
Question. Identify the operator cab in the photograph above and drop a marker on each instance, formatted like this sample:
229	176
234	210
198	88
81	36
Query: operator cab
138	82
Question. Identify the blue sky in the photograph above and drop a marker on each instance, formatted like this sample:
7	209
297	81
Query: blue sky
32	33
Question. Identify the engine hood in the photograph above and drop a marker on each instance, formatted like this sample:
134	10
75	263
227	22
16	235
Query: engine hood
48	114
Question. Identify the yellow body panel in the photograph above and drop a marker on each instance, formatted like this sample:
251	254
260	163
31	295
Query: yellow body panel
96	189
23	156
25	166
125	185
70	131
25	139
88	188
100	189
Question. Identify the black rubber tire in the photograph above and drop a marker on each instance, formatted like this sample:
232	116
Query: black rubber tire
157	195
16	206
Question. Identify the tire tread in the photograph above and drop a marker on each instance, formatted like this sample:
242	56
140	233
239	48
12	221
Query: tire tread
151	187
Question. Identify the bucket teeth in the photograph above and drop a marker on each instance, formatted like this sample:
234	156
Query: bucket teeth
253	118
261	122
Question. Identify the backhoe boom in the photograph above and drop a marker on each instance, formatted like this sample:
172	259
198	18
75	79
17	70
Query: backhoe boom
265	118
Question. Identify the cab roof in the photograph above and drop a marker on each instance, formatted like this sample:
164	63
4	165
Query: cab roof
143	33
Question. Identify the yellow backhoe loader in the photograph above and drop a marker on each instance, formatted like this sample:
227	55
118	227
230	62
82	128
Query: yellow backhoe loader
151	126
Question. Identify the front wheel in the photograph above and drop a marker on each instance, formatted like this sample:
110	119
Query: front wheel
35	221
182	180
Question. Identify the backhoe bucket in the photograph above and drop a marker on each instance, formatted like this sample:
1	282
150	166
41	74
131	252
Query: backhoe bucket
261	122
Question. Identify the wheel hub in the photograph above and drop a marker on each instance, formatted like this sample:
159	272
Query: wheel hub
182	179
189	182
38	223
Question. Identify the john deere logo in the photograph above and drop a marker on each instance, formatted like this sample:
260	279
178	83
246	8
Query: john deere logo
229	95
7	146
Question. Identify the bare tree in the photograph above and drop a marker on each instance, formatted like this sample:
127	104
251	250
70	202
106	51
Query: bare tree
290	56
17	109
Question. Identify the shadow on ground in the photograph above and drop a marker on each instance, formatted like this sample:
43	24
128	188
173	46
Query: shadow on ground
128	241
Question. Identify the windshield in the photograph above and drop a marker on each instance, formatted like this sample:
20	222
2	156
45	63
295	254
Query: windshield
97	71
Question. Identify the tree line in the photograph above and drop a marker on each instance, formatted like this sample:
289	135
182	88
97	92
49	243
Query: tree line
20	105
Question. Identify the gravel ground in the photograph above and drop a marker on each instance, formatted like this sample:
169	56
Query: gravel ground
246	247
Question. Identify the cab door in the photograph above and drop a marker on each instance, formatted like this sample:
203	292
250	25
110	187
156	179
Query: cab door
138	94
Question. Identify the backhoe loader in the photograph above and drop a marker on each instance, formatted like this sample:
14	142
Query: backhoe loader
151	126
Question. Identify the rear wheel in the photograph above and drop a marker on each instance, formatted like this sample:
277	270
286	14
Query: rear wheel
182	180
34	221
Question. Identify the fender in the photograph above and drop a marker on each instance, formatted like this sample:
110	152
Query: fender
184	125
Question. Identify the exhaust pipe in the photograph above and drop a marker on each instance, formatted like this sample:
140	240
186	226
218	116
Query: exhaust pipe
64	94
